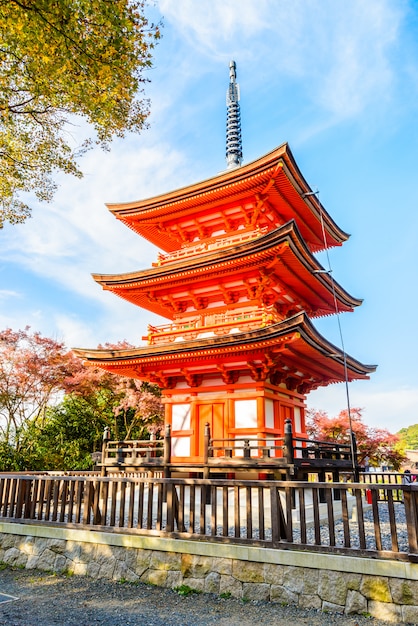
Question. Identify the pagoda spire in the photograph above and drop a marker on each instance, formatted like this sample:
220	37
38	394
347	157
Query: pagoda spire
233	121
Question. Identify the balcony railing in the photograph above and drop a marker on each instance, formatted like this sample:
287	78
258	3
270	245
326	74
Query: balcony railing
217	324
191	250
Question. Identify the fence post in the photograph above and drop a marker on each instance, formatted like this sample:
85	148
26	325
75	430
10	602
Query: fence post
206	472
167	451
288	450
106	437
411	514
206	443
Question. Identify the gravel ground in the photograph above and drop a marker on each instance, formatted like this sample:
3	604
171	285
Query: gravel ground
46	600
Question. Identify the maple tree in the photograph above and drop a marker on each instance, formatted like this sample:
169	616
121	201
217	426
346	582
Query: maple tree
32	371
378	444
128	406
53	409
61	59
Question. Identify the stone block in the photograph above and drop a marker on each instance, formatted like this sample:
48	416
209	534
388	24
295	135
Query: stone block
283	595
60	563
154	577
8	541
248	572
174	579
27	545
386	611
273	574
122	572
256	591
330	607
56	545
376	588
93	569
229	584
410	614
107	568
39	545
165	561
332	587
293	579
356	603
309	601
195	566
403	591
46	560
32	562
143	559
15	557
212	582
73	551
310	582
197	584
80	569
222	566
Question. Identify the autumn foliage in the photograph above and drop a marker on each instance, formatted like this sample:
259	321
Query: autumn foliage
53	408
378	444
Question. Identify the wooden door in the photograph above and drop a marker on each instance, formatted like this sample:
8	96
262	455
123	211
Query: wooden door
212	414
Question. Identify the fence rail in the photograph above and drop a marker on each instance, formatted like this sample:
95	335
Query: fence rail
328	517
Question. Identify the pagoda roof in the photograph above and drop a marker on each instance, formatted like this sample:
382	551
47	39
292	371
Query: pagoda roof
277	268
291	351
267	192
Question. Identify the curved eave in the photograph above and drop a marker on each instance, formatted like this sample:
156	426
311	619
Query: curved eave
294	341
299	269
278	166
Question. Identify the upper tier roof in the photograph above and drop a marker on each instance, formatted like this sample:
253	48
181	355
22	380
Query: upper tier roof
267	193
269	269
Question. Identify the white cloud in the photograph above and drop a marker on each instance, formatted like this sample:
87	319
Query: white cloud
340	52
5	294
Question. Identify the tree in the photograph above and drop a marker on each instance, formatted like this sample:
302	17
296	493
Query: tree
32	372
378	444
53	409
408	438
129	407
60	59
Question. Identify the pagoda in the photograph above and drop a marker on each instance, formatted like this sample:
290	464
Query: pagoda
238	284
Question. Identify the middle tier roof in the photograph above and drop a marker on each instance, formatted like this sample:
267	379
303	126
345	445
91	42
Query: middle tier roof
276	268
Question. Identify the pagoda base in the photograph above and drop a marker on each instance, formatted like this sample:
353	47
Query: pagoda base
238	416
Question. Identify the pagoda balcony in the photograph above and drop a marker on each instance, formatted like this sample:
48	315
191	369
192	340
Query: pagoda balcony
191	250
210	325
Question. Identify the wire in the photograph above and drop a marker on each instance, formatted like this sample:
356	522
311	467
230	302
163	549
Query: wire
337	311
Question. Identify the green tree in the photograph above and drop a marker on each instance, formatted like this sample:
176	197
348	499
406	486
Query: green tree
408	438
61	59
65	439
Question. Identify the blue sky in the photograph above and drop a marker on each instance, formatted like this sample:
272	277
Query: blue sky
339	82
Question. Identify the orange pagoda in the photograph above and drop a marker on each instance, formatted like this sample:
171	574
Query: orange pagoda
238	284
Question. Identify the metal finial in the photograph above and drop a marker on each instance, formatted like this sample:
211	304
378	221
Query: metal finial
233	121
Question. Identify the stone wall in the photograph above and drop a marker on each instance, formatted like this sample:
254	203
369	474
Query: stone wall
330	583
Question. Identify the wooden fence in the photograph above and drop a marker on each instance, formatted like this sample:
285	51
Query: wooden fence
275	514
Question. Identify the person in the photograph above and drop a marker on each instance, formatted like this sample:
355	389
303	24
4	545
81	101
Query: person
406	478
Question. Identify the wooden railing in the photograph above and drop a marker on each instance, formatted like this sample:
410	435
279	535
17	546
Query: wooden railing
278	454
275	514
381	479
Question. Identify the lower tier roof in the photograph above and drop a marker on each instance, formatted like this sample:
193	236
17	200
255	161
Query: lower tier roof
290	352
